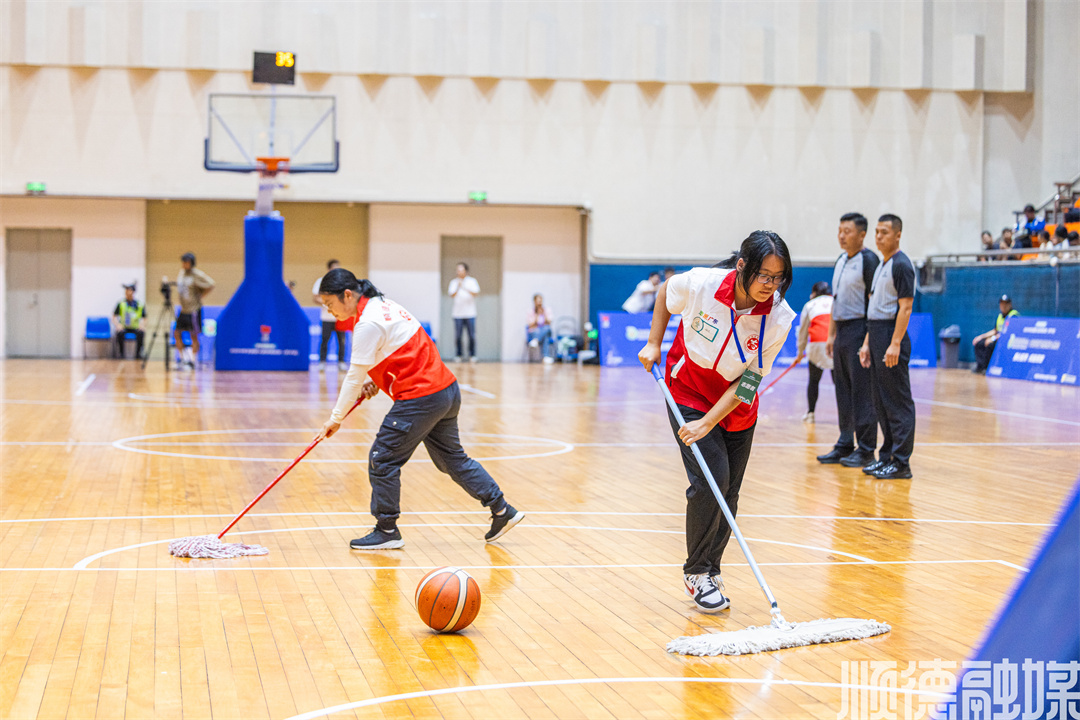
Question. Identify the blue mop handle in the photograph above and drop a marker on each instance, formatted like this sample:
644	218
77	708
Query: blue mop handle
716	491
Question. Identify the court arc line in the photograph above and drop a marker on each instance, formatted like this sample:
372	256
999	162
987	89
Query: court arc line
561	447
855	518
345	707
82	564
376	568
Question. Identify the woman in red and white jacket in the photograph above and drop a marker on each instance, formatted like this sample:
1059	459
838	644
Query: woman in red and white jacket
734	322
392	353
814	321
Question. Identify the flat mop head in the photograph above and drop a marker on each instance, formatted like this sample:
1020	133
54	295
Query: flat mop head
209	546
777	637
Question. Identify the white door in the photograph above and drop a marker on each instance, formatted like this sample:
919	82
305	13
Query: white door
483	255
38	292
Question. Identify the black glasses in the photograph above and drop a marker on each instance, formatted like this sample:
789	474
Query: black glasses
769	279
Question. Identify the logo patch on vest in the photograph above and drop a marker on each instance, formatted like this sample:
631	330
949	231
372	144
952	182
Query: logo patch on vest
704	328
752	343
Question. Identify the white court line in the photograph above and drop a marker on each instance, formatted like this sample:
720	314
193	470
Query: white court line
81	565
315	513
85	384
991	411
475	391
585	566
123	444
766	682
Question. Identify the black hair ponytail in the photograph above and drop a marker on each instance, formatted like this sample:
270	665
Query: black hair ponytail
338	280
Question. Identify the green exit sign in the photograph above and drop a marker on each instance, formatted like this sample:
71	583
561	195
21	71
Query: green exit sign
478	196
35	188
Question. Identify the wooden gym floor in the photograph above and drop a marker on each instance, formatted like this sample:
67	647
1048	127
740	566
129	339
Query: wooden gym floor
103	463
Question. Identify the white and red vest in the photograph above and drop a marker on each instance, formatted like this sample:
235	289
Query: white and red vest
404	361
704	360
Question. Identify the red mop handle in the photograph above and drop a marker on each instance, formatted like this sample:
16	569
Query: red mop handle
769	386
284	472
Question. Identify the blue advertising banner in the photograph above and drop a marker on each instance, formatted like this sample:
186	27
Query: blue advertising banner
1039	349
622	335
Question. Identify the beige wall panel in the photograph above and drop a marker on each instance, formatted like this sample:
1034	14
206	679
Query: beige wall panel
107	249
214	231
611	41
541	252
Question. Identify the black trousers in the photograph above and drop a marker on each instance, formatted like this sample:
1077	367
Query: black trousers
892	392
854	400
463	325
983	352
707	530
328	329
812	385
121	334
432	420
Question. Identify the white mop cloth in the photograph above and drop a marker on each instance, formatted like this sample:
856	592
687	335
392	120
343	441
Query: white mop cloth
209	546
770	637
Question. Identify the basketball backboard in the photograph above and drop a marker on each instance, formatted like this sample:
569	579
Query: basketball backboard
242	128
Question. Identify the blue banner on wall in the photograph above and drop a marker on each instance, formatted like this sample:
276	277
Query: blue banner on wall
1039	349
622	335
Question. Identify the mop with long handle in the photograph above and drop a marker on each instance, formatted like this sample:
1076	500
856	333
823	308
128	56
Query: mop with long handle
211	546
780	634
778	378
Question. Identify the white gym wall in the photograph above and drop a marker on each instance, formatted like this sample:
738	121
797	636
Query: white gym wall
681	124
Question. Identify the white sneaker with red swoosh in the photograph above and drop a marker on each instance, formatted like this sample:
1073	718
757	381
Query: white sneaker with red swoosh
705	593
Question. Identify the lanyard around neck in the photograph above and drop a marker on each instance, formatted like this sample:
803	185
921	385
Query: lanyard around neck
760	342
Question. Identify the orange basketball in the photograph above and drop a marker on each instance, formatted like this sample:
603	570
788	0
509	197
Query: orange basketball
447	599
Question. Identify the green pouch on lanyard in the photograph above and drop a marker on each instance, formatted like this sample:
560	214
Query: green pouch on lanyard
748	385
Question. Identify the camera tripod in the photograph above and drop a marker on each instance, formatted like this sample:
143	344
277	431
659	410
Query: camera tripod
164	317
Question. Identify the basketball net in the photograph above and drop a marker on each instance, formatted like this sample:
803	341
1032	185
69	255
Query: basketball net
269	167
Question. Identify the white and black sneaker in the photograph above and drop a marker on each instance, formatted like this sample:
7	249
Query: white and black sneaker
705	593
501	524
379	540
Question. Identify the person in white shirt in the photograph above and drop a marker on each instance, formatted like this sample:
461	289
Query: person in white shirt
641	300
329	325
734	323
813	338
464	290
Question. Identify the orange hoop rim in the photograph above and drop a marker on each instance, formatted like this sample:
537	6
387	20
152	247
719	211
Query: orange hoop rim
272	165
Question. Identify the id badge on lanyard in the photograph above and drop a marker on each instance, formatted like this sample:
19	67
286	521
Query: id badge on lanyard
750	380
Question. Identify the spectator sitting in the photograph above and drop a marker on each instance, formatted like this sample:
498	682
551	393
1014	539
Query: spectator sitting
1061	237
540	329
127	318
1033	225
984	344
1022	241
1044	239
987	240
641	300
1074	242
1004	243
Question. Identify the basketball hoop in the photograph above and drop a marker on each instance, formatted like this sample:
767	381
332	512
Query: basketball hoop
268	168
271	166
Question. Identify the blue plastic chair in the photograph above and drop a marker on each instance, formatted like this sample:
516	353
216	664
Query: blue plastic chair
98	328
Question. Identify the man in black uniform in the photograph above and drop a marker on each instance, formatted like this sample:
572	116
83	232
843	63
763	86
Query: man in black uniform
852	276
887	350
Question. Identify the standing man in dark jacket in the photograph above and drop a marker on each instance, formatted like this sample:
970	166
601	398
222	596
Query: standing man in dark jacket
852	278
